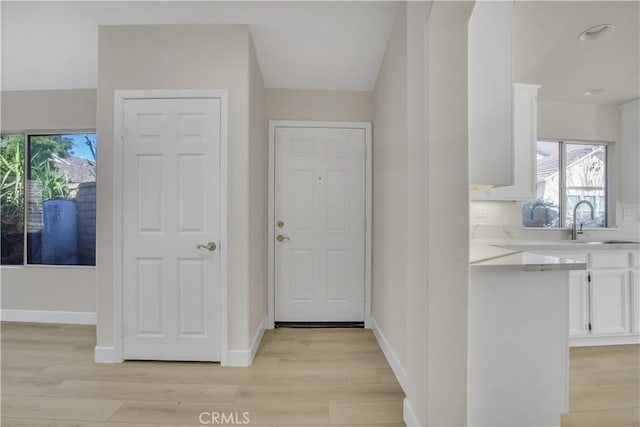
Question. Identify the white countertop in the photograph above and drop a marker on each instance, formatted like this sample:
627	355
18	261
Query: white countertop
564	245
490	255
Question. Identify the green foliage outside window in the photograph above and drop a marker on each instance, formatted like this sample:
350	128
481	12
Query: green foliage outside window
51	181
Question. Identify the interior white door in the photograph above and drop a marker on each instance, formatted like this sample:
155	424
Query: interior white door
319	210
171	288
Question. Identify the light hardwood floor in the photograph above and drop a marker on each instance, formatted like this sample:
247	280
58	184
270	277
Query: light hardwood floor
299	378
604	386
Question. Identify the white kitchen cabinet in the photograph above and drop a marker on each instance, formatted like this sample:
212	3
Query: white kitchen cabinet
610	302
604	300
490	91
525	135
578	304
635	300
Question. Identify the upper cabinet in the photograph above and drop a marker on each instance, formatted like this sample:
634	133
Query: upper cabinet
490	52
630	152
525	123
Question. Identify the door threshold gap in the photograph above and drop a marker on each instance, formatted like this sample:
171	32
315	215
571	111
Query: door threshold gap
319	325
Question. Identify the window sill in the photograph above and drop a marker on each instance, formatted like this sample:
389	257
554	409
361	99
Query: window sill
93	267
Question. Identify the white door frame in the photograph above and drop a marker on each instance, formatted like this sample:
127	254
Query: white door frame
273	124
118	152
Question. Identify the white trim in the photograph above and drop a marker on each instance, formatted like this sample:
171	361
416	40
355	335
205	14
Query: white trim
366	127
107	355
394	361
597	341
409	415
238	358
43	316
257	339
244	358
119	97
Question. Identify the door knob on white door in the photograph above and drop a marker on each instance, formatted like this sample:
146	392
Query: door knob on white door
281	238
210	246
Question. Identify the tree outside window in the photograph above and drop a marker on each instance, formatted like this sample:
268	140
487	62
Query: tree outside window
568	172
56	190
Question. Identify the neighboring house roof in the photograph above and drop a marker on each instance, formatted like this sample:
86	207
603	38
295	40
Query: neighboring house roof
548	166
77	169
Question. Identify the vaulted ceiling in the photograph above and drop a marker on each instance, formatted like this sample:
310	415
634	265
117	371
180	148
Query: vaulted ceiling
300	45
334	45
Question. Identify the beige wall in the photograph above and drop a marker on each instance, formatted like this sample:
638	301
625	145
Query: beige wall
178	57
329	105
448	180
69	289
420	245
257	196
590	122
390	198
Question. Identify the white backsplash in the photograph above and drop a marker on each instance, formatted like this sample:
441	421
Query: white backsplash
503	220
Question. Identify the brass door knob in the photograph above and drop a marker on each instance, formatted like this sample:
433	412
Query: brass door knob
210	246
281	238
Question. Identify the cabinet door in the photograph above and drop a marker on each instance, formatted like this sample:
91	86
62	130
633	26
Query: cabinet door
490	92
578	304
525	119
609	303
635	300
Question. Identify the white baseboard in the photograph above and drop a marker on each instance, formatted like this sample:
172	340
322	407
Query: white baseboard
41	316
257	338
107	355
597	341
409	415
244	358
393	360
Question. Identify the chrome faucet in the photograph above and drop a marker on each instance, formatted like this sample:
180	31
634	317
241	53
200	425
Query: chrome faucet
574	231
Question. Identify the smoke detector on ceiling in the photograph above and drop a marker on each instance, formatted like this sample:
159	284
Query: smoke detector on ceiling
596	32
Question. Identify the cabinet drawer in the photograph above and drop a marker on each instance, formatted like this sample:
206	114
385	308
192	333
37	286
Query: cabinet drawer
608	260
576	256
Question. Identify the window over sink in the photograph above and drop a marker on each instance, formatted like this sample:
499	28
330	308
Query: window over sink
568	172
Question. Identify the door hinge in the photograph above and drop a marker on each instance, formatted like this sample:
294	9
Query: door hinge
589	277
589	327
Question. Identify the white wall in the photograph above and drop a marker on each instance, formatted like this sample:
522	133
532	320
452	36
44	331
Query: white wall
448	180
630	152
390	198
329	105
562	120
65	289
258	152
180	57
420	245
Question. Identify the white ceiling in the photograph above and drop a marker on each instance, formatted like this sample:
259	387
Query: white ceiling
325	45
548	52
300	45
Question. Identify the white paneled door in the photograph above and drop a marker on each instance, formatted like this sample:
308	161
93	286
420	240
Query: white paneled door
319	229
171	226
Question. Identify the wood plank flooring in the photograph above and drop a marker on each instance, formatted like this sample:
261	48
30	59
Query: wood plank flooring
604	386
299	378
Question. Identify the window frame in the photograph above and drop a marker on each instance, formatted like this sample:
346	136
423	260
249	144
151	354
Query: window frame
609	184
26	134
